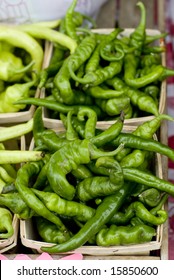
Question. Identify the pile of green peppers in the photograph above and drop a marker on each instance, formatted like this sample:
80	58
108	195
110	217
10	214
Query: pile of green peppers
93	186
106	72
85	185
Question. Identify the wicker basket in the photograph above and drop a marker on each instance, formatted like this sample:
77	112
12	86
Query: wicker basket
29	236
53	123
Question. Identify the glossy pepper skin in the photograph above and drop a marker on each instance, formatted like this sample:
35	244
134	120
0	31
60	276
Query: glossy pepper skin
137	97
16	204
23	40
64	207
124	235
104	212
62	78
11	67
14	93
138	209
98	186
6	226
48	231
68	158
22	185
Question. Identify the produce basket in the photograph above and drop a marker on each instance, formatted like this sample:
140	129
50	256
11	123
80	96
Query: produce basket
30	238
52	122
10	243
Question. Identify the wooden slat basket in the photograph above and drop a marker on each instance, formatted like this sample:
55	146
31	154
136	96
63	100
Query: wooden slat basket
29	236
52	122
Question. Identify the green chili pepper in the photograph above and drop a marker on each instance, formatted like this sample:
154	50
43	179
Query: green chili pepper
138	98
138	36
68	158
70	25
57	106
62	78
70	133
48	231
130	68
5	176
101	93
91	121
56	204
20	39
150	59
6	226
19	156
110	133
99	76
151	38
15	203
22	182
49	34
13	93
112	52
124	235
114	106
145	130
136	142
49	72
15	131
98	186
150	197
94	60
12	68
161	203
138	209
104	212
139	176
134	159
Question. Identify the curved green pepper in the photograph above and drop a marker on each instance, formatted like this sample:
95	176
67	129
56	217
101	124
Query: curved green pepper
6	223
64	207
124	235
48	231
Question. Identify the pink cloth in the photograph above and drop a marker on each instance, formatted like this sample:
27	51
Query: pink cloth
43	256
169	8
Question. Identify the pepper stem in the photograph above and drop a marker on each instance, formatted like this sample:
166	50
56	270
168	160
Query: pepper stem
25	68
96	153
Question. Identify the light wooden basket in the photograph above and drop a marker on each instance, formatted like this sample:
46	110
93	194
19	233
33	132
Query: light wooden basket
10	243
25	115
54	123
29	236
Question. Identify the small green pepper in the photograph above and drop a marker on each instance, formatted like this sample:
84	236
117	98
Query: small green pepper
48	231
124	235
6	223
12	94
14	202
11	67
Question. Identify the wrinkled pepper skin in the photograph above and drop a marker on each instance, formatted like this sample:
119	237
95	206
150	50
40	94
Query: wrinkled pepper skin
124	235
68	158
98	186
6	226
16	204
61	206
138	209
49	232
103	214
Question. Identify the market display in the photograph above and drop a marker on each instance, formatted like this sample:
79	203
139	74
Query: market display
85	185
